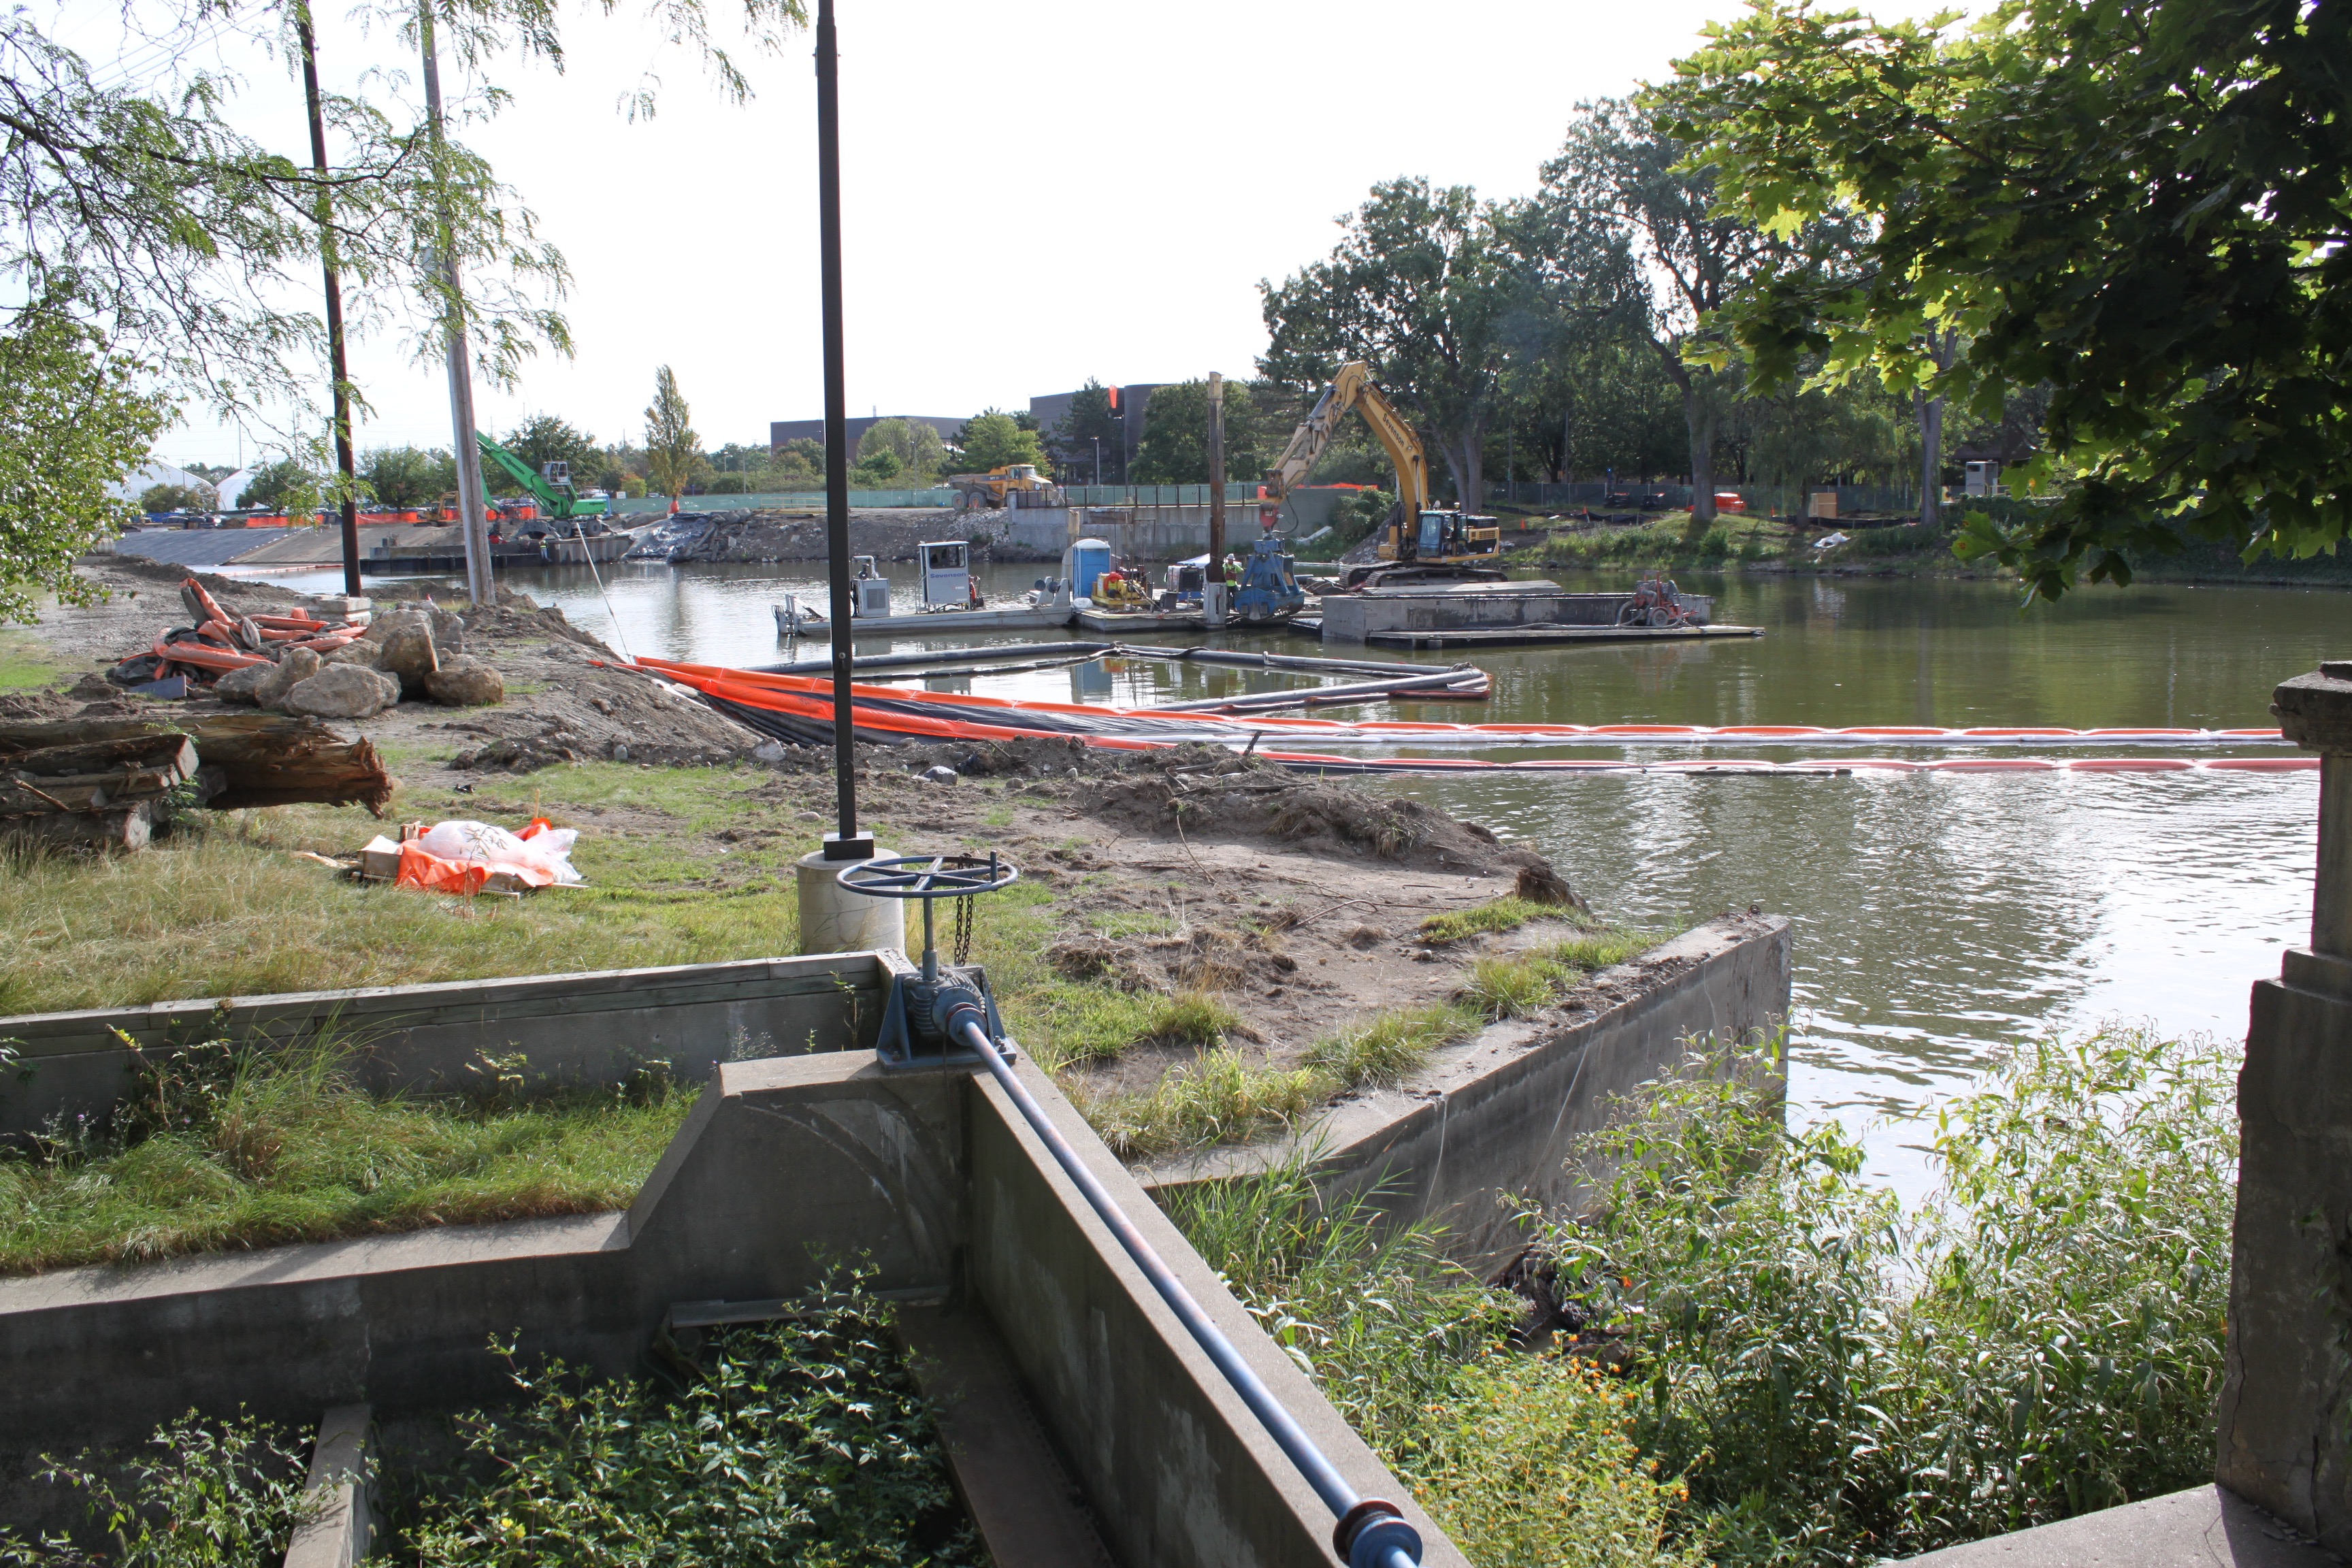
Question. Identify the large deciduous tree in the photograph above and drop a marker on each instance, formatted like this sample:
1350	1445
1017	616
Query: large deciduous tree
1091	438
673	451
2146	207
993	438
1419	287
1175	445
1620	169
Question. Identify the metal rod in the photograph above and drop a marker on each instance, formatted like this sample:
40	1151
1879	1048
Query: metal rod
335	364
847	844
1280	1425
474	528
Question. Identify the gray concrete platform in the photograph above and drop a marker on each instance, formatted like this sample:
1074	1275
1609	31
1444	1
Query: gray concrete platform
2204	1527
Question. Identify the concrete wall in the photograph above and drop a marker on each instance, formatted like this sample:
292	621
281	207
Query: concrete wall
594	1028
1499	1115
784	1163
1346	618
1149	532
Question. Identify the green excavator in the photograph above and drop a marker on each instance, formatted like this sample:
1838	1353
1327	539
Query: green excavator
551	488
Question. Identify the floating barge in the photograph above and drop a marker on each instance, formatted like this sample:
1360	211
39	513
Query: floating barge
1551	636
1515	614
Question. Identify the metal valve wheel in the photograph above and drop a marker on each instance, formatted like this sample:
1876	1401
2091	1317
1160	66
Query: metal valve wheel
928	876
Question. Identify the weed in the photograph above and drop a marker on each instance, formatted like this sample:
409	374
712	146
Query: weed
1189	1018
1392	1047
226	1492
1219	1099
1605	949
1515	986
1507	913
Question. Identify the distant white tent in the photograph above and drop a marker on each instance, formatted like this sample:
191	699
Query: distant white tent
137	482
234	486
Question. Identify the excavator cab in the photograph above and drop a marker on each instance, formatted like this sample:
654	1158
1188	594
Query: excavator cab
1451	535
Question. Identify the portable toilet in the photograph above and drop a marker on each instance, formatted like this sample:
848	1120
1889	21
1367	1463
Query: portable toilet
1084	561
870	591
947	573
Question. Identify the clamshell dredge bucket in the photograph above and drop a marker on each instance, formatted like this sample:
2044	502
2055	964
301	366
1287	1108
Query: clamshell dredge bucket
949	1015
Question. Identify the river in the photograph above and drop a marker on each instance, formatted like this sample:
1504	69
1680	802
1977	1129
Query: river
1938	918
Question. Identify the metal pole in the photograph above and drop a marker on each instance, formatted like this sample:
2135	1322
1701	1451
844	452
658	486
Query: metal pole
847	844
1213	595
335	364
471	524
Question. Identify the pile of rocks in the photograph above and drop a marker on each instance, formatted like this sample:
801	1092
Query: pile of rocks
402	655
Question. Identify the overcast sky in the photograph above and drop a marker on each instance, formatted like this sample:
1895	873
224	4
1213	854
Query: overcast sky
1034	193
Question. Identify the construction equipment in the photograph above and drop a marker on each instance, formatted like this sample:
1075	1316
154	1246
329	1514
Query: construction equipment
1119	589
550	487
1419	542
993	488
1656	603
1269	592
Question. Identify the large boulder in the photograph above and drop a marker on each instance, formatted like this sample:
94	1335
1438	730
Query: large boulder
264	685
465	683
407	653
363	653
343	691
245	685
448	632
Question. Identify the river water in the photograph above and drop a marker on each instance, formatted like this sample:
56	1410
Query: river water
1938	918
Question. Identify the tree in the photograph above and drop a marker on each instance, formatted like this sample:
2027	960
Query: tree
916	446
800	461
76	418
1619	167
1419	287
2147	209
673	451
1091	438
288	486
544	439
400	477
995	439
1175	445
157	499
878	470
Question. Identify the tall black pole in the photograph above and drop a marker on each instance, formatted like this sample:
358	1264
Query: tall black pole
335	364
847	844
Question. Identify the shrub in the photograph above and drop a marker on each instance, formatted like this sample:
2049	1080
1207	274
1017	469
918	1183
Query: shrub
727	485
199	1494
1840	1381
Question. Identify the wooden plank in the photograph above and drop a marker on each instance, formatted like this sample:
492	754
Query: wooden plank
111	753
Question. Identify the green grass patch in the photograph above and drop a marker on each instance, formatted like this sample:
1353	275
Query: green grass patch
223	1148
1507	913
1390	1048
1513	987
1219	1097
25	662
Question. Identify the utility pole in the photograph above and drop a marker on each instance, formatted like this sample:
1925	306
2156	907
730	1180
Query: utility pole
480	586
847	844
335	362
1212	592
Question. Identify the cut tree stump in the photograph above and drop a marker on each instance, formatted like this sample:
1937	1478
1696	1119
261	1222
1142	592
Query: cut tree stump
264	759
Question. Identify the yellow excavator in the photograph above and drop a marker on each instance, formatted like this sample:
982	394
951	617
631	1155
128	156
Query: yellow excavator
1419	542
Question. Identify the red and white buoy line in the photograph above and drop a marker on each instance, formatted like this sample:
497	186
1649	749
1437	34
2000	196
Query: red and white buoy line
800	709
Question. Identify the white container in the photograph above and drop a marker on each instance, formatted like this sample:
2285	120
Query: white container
835	920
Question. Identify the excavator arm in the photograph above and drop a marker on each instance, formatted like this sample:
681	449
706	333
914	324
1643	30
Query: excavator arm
552	502
1352	389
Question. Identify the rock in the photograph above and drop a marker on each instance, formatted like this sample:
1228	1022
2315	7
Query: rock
448	632
391	621
245	685
363	653
409	654
620	753
465	683
1539	884
941	774
768	751
343	691
294	666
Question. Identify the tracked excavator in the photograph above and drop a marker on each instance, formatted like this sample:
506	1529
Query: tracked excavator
1420	542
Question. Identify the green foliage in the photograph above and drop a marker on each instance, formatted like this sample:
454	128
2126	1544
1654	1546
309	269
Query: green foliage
1525	1461
1839	1381
2017	176
673	451
878	470
1507	913
198	1494
728	485
544	439
913	446
173	498
1389	1047
1512	986
1220	1097
995	439
804	1440
223	1146
1355	516
76	419
1175	445
403	477
1424	288
285	486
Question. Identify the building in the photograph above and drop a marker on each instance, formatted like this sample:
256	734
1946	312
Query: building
1130	401
782	430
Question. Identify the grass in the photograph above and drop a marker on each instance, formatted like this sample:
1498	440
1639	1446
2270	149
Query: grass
1391	1047
1507	913
1220	1097
226	1148
27	662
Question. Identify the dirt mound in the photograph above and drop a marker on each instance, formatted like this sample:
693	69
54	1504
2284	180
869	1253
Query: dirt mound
598	715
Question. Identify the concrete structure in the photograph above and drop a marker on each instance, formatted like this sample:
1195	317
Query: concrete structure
1467	605
1161	532
1497	1116
571	1028
931	1175
2286	1402
835	920
2204	1527
782	430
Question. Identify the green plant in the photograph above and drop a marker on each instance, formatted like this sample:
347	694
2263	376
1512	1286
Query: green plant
1512	986
802	1441
1508	914
1221	1098
1838	1381
224	1494
1391	1047
1189	1018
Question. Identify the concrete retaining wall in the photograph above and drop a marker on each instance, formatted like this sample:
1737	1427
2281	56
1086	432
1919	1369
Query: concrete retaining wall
1497	1115
1347	617
784	1163
593	1028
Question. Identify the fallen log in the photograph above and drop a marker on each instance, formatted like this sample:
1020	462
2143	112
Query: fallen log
153	750
264	759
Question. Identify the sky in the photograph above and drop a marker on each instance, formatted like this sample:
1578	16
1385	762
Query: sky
1034	192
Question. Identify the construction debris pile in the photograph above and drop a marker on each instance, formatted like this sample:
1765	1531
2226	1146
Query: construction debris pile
469	858
110	781
304	664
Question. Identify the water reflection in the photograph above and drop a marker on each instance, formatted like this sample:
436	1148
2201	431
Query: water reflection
1938	918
